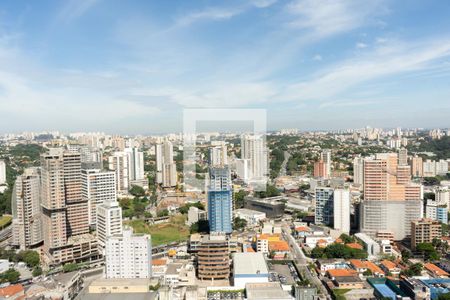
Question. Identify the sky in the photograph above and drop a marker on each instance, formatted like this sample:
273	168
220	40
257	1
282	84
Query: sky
132	67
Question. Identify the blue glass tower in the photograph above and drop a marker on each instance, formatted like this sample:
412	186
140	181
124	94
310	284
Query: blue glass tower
220	200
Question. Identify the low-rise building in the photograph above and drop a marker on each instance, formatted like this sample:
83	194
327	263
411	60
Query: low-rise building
253	217
249	268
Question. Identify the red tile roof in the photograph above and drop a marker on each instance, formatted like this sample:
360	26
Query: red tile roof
435	269
11	290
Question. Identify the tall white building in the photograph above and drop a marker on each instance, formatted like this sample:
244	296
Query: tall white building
136	164
118	163
253	148
165	166
109	221
98	187
358	170
243	169
128	255
443	196
341	210
2	172
218	156
26	210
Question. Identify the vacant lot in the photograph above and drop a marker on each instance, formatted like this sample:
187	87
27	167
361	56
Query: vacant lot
165	233
4	221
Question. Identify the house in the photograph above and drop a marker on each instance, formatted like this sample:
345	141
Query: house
390	267
345	279
323	265
15	291
279	248
435	271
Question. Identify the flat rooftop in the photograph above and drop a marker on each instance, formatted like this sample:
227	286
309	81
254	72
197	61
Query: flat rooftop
121	296
249	263
269	290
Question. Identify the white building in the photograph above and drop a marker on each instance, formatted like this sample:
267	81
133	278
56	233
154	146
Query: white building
2	172
118	163
128	255
443	196
109	221
195	214
218	156
253	148
252	217
97	187
325	157
243	169
370	245
249	268
341	210
136	167
441	167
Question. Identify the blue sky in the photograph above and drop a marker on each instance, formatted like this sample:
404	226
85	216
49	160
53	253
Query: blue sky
132	66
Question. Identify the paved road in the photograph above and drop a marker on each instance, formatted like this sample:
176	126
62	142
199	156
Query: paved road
302	261
284	163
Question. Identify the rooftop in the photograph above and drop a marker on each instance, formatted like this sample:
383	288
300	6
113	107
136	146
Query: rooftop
249	263
435	269
269	290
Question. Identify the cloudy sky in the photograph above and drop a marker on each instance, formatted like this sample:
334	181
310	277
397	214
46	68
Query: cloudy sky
132	66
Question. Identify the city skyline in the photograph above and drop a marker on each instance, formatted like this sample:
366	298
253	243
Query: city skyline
132	67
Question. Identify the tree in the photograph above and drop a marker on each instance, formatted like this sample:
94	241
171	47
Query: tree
70	267
346	238
37	271
414	270
11	275
30	257
428	251
239	224
317	252
444	296
137	191
406	255
367	273
271	191
163	213
239	198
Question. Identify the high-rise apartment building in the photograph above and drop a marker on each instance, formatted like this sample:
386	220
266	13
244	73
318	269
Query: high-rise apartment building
403	157
109	221
385	183
218	156
358	170
424	231
253	148
26	210
325	157
442	196
166	170
128	255
65	213
98	187
243	169
384	179
324	206
341	210
320	169
416	166
436	211
2	172
220	200
118	163
136	167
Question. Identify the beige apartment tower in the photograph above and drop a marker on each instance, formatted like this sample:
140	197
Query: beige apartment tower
26	210
424	231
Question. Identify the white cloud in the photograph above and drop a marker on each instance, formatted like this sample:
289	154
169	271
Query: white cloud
74	9
326	17
317	57
361	45
212	13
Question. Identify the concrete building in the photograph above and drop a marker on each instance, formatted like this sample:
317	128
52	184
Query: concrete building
266	291
64	211
358	170
253	217
249	268
243	169
341	210
424	231
429	168
436	211
26	210
253	148
2	172
166	171
220	200
325	157
305	293
324	206
98	187
109	222
195	214
213	258
393	217
370	245
273	207
442	196
118	163
136	167
416	163
128	255
218	156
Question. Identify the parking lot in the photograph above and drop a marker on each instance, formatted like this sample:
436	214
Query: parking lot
285	274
